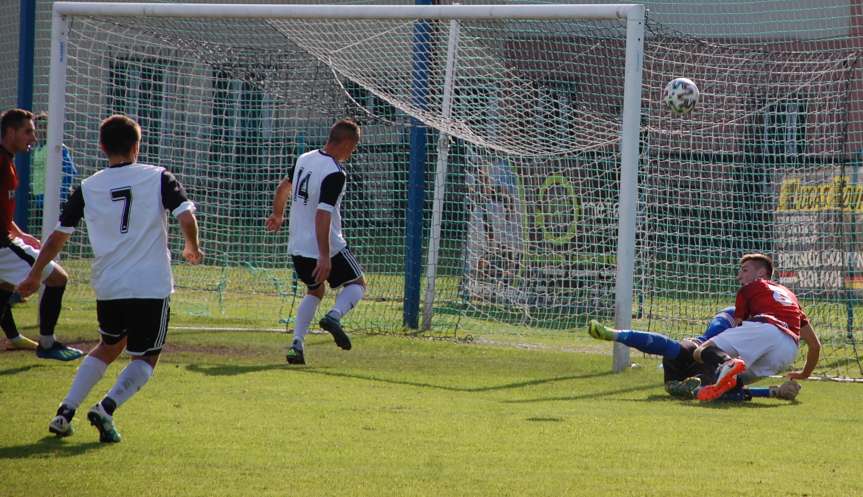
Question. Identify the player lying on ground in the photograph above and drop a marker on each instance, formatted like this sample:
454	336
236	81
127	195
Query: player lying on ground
769	325
683	376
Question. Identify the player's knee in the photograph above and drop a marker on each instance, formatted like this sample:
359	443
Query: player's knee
318	291
151	358
108	352
58	277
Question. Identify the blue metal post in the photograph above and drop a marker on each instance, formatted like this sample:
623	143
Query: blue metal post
26	40
416	174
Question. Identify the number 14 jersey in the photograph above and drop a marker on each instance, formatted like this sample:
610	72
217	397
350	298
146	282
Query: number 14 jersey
318	183
124	207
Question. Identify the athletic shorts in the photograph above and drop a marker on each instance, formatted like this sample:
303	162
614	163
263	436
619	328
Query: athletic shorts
144	323
17	258
345	269
683	366
765	350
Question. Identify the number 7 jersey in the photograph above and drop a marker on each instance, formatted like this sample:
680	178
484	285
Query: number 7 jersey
318	183
124	207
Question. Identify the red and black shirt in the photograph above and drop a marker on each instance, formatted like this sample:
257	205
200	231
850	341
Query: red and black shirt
8	185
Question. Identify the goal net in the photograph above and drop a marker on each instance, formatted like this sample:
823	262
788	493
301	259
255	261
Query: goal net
530	112
515	125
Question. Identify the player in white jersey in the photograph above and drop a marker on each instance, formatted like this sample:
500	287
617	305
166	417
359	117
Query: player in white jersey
124	206
316	244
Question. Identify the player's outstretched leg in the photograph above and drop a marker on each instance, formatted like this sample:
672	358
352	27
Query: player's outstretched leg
103	422
645	341
725	381
600	332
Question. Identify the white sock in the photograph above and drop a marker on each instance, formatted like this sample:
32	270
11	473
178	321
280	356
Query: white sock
89	373
305	314
347	299
131	379
46	341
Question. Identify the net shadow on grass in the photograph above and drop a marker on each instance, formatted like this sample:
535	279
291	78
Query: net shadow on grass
231	370
21	369
48	446
592	395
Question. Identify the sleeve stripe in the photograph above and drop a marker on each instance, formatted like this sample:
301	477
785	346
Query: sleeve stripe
188	205
64	229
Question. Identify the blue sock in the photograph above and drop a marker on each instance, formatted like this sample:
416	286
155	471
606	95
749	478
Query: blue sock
650	343
759	391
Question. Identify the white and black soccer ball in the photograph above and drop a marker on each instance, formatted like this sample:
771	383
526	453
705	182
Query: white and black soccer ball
681	95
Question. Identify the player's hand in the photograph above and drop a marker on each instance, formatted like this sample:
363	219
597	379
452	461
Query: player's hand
193	255
29	285
322	270
796	375
274	222
30	240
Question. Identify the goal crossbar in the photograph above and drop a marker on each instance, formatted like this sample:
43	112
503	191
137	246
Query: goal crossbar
610	11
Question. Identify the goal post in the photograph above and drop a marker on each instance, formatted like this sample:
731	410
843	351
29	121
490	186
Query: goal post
495	105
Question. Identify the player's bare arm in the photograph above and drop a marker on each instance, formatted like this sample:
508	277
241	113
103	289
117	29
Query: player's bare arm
189	226
280	200
813	344
27	238
49	251
322	231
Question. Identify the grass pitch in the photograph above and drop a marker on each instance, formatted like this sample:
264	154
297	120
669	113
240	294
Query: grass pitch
224	415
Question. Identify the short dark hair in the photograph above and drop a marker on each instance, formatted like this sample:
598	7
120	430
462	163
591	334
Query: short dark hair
14	118
763	260
118	134
343	130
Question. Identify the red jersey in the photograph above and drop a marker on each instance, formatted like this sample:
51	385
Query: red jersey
8	185
768	302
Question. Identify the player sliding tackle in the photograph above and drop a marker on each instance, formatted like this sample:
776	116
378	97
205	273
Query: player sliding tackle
763	333
318	249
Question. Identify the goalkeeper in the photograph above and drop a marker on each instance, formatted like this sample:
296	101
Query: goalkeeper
682	374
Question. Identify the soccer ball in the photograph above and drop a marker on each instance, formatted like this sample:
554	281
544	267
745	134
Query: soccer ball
681	95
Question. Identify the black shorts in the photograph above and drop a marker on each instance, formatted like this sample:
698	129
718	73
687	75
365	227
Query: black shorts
684	365
144	322
345	269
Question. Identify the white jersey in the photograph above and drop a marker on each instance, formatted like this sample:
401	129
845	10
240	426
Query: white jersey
318	183
124	207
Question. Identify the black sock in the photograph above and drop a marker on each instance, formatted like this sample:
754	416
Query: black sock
66	411
109	405
6	315
713	356
49	308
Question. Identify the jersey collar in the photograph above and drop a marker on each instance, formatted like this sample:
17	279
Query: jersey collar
112	166
339	164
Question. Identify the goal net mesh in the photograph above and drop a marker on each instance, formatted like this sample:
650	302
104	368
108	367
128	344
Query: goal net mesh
529	220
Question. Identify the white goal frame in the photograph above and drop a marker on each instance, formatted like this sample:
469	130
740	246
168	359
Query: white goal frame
629	142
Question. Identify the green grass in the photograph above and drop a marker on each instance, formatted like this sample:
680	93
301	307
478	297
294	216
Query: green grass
225	416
